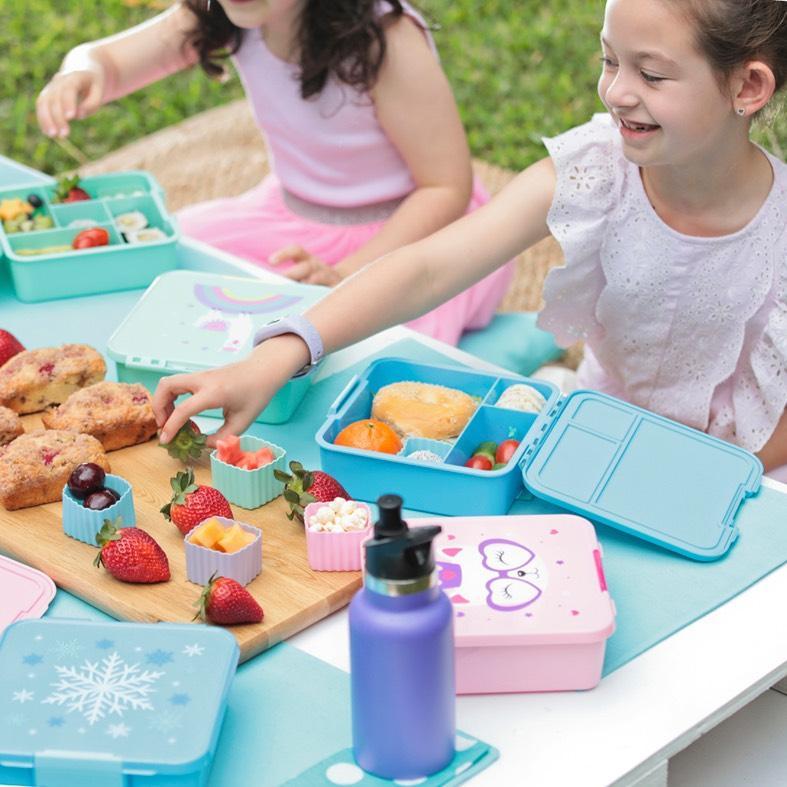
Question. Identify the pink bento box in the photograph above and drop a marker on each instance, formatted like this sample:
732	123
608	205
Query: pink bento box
531	607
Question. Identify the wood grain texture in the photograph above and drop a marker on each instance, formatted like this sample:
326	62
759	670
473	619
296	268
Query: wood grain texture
291	594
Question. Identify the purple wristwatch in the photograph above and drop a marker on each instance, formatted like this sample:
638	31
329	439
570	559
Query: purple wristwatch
300	326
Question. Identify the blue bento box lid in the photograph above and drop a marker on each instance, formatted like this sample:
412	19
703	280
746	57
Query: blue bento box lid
640	473
210	319
89	702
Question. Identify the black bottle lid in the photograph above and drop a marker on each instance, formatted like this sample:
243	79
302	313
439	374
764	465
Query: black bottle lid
398	551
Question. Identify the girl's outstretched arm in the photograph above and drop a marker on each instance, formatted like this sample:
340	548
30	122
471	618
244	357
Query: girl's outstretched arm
100	71
394	289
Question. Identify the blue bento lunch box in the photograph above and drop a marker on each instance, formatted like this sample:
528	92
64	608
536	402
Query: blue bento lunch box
586	452
189	321
121	265
112	704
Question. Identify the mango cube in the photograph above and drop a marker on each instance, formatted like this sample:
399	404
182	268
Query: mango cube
209	533
235	538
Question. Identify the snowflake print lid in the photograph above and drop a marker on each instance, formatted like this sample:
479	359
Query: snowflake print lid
532	611
91	702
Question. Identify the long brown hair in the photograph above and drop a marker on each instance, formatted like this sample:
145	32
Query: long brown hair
343	38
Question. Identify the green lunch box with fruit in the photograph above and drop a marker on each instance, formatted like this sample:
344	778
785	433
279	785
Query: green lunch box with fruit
190	321
81	236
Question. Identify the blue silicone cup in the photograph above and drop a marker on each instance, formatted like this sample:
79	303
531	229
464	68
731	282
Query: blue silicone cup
83	524
249	488
242	566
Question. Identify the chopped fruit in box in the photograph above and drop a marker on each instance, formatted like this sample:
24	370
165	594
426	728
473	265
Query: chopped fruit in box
369	434
226	602
131	554
9	346
188	444
208	534
87	239
12	209
307	486
506	450
68	190
193	503
235	538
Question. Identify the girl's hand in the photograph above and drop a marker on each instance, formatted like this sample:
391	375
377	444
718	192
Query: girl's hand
240	390
69	96
307	268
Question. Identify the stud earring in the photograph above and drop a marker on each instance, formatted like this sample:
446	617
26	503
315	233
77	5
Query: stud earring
740	110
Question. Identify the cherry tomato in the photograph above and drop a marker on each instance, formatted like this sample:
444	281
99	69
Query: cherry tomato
506	450
479	462
95	236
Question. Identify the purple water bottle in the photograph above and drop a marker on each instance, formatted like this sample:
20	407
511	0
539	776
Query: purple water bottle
401	654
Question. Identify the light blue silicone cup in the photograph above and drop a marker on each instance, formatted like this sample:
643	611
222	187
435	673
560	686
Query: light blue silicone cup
249	488
84	524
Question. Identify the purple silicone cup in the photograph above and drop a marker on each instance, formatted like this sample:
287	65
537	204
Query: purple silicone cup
335	551
83	524
242	566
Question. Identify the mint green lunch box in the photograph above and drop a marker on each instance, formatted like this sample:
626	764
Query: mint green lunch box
42	262
190	321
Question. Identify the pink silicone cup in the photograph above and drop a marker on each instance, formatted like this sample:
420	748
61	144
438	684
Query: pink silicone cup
335	551
242	566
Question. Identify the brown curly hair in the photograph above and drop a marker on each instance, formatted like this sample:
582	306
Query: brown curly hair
343	38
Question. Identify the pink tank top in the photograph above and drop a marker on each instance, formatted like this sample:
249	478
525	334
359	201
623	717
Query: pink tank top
329	149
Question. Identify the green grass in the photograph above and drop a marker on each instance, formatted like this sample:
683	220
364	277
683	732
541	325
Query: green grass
520	69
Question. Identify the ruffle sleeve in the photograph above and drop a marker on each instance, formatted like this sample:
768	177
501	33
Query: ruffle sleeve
759	385
590	169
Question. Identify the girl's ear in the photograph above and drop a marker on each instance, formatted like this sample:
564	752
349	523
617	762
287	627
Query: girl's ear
753	85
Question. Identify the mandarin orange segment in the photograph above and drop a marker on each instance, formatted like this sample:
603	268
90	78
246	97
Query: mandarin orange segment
370	434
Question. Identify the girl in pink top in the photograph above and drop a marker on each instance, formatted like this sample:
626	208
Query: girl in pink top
366	148
673	223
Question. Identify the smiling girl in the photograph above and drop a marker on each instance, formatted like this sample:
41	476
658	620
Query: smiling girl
673	224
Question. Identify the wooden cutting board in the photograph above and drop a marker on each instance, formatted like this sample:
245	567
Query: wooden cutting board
290	593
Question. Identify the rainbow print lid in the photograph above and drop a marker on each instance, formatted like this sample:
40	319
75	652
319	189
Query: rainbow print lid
190	320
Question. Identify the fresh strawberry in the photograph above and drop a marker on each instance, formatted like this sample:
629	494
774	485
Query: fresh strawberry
131	554
188	444
193	503
9	346
225	602
307	486
68	190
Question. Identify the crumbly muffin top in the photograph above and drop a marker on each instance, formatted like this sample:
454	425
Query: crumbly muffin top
104	405
47	364
46	453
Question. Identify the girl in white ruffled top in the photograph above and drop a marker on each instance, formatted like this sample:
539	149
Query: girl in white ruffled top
673	224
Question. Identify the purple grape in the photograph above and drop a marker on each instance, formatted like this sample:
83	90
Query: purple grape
86	479
98	501
112	492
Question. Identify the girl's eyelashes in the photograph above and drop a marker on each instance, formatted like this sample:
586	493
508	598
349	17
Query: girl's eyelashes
608	62
651	77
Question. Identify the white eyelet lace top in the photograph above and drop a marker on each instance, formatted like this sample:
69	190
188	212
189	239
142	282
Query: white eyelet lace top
693	328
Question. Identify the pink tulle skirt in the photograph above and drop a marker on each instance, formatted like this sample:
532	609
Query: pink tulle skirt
258	223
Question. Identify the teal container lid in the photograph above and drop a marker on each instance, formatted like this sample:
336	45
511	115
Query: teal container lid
89	702
640	473
189	320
